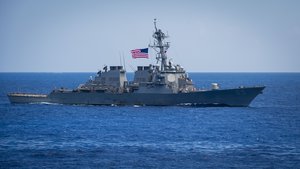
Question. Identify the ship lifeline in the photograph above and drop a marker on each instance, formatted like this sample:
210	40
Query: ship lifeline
165	84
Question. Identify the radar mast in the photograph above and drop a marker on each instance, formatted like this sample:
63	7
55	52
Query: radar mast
159	43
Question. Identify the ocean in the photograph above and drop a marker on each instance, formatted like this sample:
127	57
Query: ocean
264	135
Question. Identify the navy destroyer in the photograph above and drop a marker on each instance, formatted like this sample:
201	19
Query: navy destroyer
162	84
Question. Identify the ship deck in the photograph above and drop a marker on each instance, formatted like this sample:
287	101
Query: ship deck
27	95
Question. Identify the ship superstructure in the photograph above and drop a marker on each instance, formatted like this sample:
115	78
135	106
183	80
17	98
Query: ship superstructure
166	78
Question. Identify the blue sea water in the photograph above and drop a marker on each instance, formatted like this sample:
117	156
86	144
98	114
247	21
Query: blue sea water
264	135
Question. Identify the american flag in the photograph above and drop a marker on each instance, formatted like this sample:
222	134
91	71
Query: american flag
140	53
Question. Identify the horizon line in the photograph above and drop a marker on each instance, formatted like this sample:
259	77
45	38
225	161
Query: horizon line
133	72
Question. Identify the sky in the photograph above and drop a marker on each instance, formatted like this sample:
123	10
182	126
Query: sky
205	35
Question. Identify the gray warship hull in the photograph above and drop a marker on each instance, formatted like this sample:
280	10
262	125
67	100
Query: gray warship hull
238	97
166	84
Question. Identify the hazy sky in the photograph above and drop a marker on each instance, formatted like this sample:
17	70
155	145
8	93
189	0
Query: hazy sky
209	36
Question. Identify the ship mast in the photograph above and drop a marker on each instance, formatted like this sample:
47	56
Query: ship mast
159	43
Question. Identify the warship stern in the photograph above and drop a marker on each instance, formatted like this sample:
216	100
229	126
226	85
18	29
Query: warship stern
27	98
